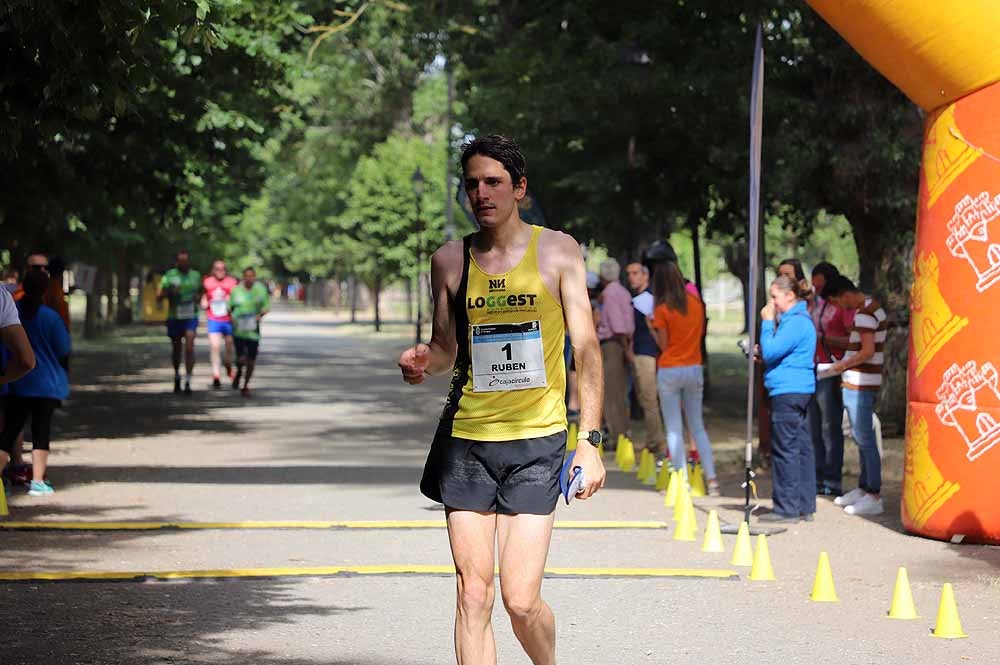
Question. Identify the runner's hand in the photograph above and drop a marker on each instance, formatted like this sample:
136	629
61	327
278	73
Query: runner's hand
413	363
590	462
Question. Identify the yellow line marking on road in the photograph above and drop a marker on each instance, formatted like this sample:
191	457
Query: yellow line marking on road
342	524
327	571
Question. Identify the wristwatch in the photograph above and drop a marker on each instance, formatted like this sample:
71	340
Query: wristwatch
593	437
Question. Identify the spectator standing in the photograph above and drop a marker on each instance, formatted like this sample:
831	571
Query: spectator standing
38	393
55	296
861	369
643	354
615	330
678	324
827	410
788	349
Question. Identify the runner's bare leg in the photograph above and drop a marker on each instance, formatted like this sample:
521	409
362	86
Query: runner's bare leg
473	536
523	542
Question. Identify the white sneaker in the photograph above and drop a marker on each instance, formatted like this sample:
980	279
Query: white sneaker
868	505
851	497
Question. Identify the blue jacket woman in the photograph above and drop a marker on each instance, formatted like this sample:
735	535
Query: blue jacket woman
788	349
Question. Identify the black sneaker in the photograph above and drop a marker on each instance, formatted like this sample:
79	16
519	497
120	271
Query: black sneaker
777	518
187	389
236	380
177	385
216	383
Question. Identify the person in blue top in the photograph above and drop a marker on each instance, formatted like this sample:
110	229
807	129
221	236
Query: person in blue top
37	394
788	349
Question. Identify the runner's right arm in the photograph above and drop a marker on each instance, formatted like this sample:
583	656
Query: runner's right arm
22	358
438	357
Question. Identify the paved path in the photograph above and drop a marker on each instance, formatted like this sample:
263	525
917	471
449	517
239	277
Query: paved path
331	433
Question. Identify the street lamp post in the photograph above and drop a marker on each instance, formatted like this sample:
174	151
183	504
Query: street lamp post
417	180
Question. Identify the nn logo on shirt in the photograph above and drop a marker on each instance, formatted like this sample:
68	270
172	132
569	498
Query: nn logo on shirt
498	284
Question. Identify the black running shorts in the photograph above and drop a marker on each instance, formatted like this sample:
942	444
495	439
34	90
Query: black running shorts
505	477
246	348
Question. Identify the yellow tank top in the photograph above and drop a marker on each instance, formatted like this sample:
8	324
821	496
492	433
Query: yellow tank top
509	380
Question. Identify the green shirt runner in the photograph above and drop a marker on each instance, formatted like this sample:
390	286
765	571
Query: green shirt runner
244	305
184	288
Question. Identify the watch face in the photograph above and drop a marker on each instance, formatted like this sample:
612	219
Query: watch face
595	437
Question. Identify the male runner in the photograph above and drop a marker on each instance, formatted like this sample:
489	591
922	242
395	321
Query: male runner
181	286
215	302
249	301
503	299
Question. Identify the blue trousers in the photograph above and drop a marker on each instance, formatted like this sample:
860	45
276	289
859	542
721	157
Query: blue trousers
826	415
793	469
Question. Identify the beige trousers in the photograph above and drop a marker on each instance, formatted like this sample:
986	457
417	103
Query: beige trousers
615	389
644	375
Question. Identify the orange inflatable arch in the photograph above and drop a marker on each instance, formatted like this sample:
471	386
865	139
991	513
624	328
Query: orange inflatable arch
945	56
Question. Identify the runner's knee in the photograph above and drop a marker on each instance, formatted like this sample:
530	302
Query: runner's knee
475	595
521	605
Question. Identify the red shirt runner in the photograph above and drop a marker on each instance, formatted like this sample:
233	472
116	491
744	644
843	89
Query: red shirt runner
217	292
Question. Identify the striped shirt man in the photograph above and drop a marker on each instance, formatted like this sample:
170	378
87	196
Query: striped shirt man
870	318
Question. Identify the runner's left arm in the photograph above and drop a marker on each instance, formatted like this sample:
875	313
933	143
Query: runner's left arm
587	353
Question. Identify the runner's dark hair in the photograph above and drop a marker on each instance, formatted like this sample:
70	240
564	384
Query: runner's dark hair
500	148
837	286
35	284
796	266
251	268
669	288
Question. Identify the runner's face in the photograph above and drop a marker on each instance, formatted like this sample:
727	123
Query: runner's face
637	279
219	269
183	262
248	278
491	193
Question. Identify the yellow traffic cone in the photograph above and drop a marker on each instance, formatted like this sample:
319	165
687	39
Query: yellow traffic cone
650	477
948	625
3	501
627	461
713	534
823	589
641	471
682	497
671	497
742	553
698	482
663	477
571	432
686	527
761	571
619	450
902	598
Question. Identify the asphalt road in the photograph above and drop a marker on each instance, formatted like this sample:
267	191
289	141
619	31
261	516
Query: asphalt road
332	433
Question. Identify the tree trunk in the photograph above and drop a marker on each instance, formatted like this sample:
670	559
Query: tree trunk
93	308
377	289
409	299
352	286
123	315
107	288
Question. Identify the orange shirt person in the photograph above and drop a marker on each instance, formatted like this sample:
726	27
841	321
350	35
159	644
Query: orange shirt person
678	323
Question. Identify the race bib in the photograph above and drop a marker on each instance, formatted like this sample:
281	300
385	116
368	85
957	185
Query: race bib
246	323
219	308
185	310
507	356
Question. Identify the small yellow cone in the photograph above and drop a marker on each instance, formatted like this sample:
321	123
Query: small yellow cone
761	571
682	497
698	482
902	598
627	460
948	625
3	502
619	450
742	553
823	589
713	535
686	527
571	432
641	471
663	477
671	497
650	477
